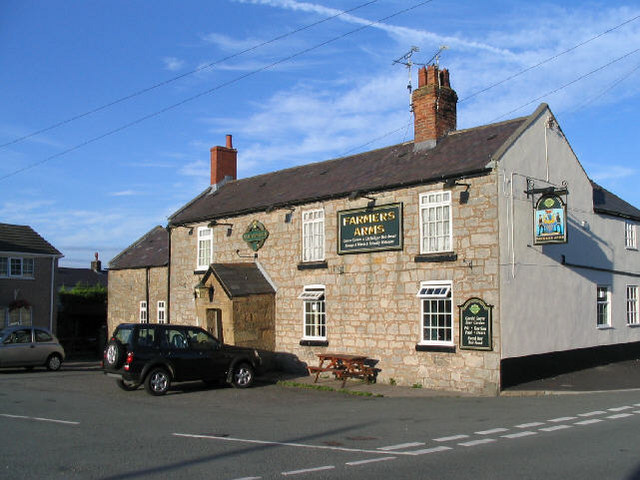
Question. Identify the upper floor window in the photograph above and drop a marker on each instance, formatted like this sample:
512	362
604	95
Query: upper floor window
315	317
603	304
435	222
143	312
437	313
633	313
205	247
630	237
161	312
16	267
313	235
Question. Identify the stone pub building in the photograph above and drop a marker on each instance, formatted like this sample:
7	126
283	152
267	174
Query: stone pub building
446	260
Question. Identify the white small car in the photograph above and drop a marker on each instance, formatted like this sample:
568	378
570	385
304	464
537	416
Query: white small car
27	346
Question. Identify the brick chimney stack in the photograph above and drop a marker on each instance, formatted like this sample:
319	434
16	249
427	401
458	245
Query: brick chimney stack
434	106
224	163
96	265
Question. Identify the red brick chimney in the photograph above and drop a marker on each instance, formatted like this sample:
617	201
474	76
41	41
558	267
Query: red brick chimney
434	105
224	163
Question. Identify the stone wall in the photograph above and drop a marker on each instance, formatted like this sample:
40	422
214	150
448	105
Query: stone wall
371	303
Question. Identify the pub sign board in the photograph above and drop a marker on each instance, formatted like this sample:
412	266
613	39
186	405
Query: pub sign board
550	220
476	324
370	229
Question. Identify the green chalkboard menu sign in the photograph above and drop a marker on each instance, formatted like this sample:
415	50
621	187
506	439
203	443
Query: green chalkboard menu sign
370	229
475	325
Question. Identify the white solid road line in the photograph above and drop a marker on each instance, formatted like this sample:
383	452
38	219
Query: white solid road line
370	460
308	470
400	446
39	419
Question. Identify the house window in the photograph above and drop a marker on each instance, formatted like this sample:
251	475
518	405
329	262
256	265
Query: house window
603	306
16	267
143	312
20	316
630	237
313	235
435	222
161	312
205	247
633	316
315	318
437	313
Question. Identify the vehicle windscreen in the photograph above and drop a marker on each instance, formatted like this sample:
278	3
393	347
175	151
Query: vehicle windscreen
123	334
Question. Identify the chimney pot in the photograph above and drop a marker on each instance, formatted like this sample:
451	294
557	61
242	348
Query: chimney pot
229	141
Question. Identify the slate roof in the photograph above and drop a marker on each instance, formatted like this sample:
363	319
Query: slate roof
239	279
462	152
610	204
70	277
150	250
24	239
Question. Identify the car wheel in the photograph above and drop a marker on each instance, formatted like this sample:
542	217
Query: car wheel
114	356
127	386
157	382
242	375
54	362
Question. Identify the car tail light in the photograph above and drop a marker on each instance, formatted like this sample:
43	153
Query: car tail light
128	361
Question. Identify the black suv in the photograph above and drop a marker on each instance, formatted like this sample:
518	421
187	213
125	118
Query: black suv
158	354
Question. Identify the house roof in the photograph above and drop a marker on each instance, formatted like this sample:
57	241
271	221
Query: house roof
240	279
70	277
610	204
460	153
24	239
150	250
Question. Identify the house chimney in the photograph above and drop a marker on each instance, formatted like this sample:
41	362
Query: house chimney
96	265
434	106
224	163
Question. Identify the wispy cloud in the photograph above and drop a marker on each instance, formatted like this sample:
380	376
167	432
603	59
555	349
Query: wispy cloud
173	64
125	193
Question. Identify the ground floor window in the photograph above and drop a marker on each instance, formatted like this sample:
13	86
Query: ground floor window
603	304
633	317
19	316
161	312
436	313
315	318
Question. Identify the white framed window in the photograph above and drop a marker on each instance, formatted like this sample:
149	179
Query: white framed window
315	317
435	222
144	318
630	236
436	313
633	314
161	312
16	267
313	235
205	247
603	305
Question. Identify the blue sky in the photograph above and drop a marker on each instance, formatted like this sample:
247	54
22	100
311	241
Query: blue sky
101	181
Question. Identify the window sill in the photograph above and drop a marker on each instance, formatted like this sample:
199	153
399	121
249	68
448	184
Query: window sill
436	257
604	327
314	343
312	265
633	325
421	347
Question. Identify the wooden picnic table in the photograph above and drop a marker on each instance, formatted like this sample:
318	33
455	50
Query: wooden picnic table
343	366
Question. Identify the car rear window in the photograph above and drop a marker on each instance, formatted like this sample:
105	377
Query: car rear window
123	334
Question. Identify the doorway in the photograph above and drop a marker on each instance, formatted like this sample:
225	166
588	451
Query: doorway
214	323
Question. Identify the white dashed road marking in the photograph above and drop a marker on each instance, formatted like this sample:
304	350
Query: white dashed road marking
308	470
429	450
449	439
620	415
530	425
620	409
473	443
371	460
591	414
589	422
39	419
526	433
400	446
562	419
492	431
554	428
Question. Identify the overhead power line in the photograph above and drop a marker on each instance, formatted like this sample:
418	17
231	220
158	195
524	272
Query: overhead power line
214	89
547	60
179	77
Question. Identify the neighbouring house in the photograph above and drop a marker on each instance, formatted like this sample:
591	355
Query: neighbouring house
457	261
82	309
138	281
28	265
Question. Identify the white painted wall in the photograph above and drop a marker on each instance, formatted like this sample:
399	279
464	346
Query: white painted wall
545	305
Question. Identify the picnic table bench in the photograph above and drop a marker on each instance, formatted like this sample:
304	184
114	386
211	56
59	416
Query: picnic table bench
343	367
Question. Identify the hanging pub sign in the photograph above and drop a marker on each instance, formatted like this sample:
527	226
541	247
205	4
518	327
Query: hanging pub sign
475	325
550	220
255	235
370	229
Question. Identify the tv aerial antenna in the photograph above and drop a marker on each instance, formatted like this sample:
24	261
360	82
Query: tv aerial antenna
408	62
